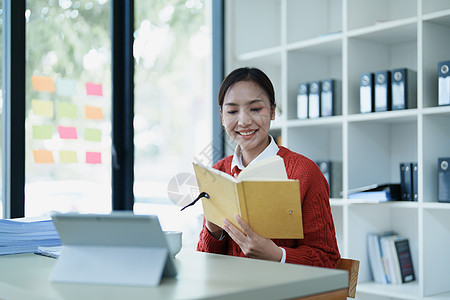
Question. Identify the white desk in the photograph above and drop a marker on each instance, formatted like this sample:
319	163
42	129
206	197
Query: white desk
200	276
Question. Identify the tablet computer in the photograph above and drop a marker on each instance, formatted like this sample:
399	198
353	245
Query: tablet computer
117	248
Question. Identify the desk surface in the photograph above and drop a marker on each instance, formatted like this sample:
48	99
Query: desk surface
200	276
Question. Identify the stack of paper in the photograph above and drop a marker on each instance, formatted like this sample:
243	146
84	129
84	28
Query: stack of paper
22	236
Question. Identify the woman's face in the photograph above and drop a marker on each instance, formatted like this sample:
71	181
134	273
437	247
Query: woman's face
246	116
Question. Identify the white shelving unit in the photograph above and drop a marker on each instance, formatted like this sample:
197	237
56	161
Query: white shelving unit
295	41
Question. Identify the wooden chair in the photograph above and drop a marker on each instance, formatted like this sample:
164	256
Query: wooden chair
352	266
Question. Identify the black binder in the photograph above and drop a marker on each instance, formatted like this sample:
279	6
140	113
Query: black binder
314	99
404	89
366	93
383	94
414	181
444	83
444	179
302	100
405	181
332	171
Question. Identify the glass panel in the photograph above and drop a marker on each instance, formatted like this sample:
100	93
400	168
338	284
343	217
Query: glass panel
68	104
172	124
1	106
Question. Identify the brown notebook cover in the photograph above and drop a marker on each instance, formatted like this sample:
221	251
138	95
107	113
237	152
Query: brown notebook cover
271	207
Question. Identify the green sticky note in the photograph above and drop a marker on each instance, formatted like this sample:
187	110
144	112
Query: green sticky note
91	134
42	132
67	110
68	157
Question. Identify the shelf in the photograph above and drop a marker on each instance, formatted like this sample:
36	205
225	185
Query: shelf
329	122
436	205
297	41
397	116
400	291
391	32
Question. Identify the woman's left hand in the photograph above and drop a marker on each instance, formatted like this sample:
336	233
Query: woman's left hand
252	244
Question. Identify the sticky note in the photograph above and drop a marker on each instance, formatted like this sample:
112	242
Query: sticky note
94	89
42	132
67	110
67	132
43	84
93	113
43	157
91	134
42	107
68	157
66	87
93	158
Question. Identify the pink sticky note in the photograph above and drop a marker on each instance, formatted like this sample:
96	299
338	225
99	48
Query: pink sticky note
94	89
93	158
67	132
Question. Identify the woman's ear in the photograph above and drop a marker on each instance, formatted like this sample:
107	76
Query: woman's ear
221	115
274	108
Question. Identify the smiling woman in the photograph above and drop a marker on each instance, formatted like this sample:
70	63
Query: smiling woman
247	105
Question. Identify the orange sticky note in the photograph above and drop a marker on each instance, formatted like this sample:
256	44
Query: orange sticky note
67	132
43	157
93	158
93	113
43	84
94	89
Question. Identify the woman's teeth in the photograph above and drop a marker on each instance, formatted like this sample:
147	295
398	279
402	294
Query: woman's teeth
247	133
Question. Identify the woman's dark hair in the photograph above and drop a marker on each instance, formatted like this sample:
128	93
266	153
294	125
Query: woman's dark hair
247	74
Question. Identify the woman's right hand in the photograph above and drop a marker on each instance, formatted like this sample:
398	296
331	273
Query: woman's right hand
214	230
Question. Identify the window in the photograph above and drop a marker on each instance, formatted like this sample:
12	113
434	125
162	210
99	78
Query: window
68	106
1	102
60	134
173	106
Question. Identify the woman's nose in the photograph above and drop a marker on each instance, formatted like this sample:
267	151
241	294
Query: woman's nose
244	118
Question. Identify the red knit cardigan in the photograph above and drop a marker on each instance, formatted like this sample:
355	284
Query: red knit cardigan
318	247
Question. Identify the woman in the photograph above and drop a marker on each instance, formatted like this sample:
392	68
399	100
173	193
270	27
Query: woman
247	106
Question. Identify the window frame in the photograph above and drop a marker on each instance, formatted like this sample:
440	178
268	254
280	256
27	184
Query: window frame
13	116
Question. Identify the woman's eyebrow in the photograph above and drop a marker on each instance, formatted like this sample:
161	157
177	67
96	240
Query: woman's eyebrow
249	103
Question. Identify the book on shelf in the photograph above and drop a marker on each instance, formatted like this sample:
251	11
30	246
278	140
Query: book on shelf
376	256
261	195
390	258
376	192
405	260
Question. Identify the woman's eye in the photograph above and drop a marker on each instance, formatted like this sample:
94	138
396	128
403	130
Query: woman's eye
256	109
231	112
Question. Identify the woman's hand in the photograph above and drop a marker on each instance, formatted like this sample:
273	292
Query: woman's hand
214	230
252	244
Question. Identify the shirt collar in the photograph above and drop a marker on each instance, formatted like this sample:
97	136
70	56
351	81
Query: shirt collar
271	149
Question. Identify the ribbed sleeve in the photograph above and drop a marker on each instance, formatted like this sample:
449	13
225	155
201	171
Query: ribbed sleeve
319	246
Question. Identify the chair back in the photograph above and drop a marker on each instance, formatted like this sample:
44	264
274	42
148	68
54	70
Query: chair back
352	266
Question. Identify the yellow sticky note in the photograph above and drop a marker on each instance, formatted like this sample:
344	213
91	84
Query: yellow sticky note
67	110
43	157
42	107
68	157
93	112
91	134
43	84
42	132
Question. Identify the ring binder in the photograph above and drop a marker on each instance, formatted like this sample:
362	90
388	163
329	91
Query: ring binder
366	91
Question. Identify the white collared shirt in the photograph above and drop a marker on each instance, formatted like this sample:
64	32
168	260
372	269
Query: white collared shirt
271	149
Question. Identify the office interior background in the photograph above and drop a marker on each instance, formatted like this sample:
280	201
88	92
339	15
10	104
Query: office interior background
179	50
